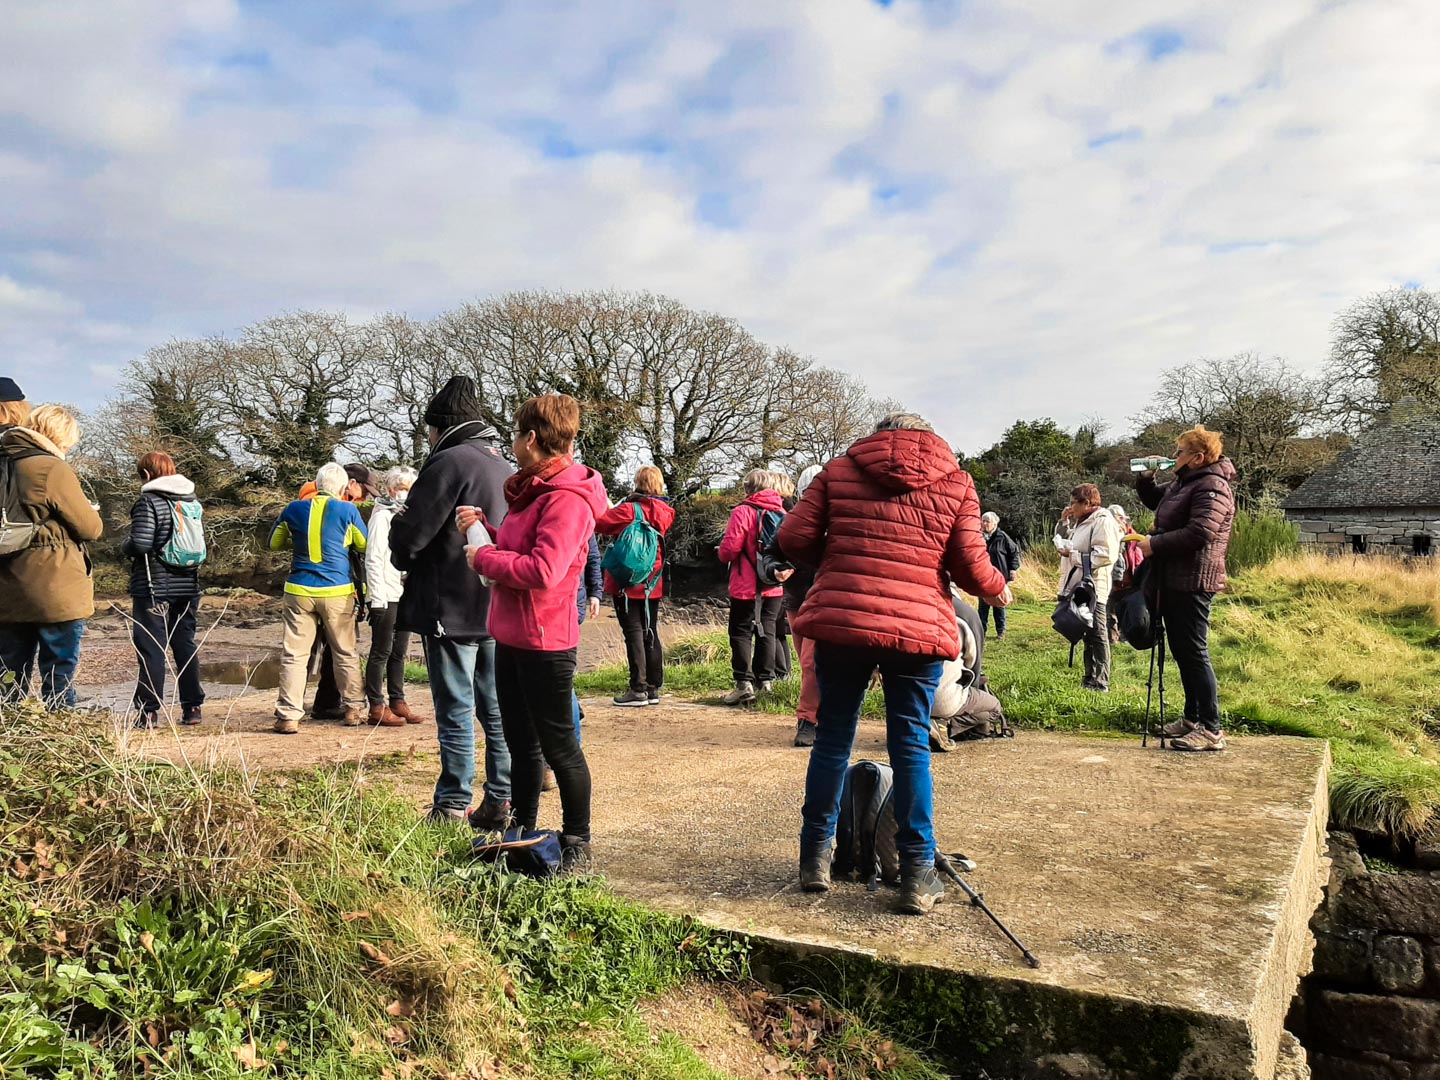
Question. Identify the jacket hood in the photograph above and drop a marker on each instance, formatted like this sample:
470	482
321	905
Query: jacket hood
766	500
20	439
904	460
1224	468
657	510
581	479
175	486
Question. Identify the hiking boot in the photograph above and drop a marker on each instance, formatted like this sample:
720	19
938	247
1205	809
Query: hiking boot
190	715
147	720
1089	684
574	856
492	815
743	694
402	710
631	698
337	713
766	686
352	718
805	733
445	815
383	717
815	869
1200	739
1178	729
286	727
652	696
920	888
547	781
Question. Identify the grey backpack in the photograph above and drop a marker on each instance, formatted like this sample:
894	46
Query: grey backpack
16	528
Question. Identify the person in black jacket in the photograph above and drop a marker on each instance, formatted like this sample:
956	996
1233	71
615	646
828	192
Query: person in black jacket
1005	557
445	602
165	597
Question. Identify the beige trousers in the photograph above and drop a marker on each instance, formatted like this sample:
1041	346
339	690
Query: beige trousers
303	617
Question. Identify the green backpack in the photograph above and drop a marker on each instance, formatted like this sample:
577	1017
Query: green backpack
632	557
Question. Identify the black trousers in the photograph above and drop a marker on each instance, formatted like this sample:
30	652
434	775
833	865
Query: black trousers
752	648
153	632
782	643
642	645
385	666
1187	629
537	710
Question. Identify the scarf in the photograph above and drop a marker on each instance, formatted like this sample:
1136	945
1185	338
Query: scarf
517	486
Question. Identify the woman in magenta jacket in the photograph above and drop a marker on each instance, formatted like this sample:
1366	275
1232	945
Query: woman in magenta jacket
754	611
535	564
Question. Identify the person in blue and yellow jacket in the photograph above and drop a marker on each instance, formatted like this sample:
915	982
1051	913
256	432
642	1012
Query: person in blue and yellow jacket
319	595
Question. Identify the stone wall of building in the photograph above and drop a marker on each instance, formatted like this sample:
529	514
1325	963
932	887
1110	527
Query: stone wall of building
1383	532
1370	1009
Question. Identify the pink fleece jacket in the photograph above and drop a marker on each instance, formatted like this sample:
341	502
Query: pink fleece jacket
537	560
742	536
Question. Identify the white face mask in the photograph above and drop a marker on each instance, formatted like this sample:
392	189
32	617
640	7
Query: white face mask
400	496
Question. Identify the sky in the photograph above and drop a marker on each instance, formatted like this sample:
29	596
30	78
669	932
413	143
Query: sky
989	209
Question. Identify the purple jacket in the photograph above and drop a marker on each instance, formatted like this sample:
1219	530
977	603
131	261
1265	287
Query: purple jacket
1194	514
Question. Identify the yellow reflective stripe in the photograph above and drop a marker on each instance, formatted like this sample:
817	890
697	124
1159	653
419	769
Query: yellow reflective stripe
280	537
319	590
354	538
317	519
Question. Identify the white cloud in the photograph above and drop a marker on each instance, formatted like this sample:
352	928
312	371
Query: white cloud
908	194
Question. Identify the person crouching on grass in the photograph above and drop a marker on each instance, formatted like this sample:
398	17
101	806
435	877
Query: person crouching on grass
888	526
535	564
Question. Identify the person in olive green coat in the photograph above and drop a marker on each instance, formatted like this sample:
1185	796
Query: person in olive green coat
46	591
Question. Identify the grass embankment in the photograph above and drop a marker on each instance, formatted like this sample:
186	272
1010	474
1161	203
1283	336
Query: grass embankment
1343	649
165	921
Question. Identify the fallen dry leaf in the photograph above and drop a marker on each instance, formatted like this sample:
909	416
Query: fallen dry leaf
401	1007
351	916
152	1036
773	1064
396	1035
248	1056
372	953
147	942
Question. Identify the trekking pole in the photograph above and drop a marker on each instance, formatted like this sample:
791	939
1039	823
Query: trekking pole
943	864
1149	695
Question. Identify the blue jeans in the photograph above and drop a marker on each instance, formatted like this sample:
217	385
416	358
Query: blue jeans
462	685
579	715
843	675
58	648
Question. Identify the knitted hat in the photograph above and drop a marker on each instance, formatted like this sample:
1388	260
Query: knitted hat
9	391
456	404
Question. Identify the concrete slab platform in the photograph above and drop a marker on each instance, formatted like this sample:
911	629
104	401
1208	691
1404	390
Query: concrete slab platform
1161	890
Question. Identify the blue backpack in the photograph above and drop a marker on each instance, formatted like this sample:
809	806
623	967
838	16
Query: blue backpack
532	852
631	559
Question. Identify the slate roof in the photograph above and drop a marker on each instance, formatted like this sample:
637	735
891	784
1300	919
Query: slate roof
1395	464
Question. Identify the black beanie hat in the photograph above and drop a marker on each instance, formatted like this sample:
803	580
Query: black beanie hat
456	404
9	391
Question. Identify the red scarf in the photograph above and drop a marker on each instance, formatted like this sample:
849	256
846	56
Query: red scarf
517	487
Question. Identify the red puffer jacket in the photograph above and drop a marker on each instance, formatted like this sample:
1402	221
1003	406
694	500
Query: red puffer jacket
889	525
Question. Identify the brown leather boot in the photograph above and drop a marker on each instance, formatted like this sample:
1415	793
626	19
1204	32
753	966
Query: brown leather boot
383	717
401	709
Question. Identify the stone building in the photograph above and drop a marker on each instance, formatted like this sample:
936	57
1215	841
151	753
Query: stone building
1380	497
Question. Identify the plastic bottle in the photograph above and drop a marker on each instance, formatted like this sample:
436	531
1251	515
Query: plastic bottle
1154	463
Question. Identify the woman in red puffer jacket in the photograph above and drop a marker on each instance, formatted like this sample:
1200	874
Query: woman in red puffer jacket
637	608
888	526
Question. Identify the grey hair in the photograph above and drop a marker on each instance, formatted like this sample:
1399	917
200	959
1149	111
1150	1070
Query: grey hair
903	421
809	474
400	474
332	479
1118	512
990	515
756	480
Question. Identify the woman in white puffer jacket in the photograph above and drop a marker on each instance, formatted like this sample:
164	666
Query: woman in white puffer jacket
385	668
1095	534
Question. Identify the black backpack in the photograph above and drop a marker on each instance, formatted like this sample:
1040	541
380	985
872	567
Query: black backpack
768	560
1134	610
865	837
16	529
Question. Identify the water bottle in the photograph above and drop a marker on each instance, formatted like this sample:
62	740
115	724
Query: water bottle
1154	463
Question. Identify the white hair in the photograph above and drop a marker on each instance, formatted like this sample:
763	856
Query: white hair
903	421
990	515
332	479
807	475
400	474
1118	512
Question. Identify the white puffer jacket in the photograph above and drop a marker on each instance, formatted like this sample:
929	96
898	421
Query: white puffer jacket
383	583
956	677
1099	537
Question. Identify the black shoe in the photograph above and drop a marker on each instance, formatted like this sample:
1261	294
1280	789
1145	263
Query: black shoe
631	698
652	696
148	720
920	889
804	733
337	713
492	815
191	716
574	856
815	869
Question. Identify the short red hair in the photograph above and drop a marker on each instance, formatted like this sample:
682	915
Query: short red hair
1200	440
555	420
157	463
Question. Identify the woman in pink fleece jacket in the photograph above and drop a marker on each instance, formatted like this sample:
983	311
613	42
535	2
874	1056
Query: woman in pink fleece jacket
754	612
535	565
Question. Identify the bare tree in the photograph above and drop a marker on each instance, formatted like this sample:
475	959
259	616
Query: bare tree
409	369
293	387
1386	348
1263	408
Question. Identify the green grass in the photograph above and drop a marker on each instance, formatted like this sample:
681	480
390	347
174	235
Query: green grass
1342	649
